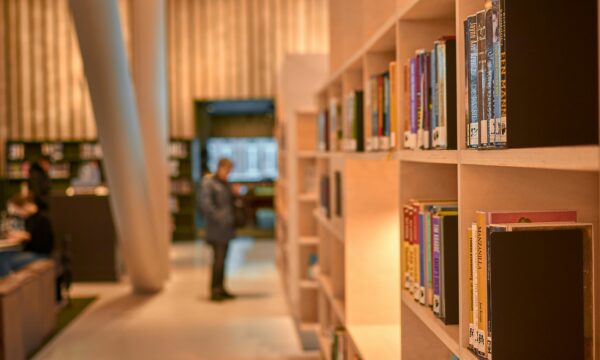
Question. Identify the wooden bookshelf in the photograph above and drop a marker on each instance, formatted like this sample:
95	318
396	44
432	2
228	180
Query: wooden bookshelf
355	260
297	193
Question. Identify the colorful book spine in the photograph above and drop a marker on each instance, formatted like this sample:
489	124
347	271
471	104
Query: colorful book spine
481	79
481	283
407	113
416	263
472	326
489	78
501	132
474	289
497	77
394	105
420	297
420	76
426	91
435	223
473	51
411	140
406	256
427	233
434	75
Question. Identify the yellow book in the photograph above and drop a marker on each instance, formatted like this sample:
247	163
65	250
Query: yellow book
393	105
470	273
482	326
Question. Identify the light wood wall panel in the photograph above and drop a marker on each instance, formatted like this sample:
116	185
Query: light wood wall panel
218	49
232	49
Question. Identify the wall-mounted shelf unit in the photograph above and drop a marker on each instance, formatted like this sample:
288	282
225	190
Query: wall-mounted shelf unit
359	250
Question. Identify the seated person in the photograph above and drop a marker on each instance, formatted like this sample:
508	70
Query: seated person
38	239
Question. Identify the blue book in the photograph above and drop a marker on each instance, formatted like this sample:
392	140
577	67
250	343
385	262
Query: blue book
472	56
481	79
489	80
435	223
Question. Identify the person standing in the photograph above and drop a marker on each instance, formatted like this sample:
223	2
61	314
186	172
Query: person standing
39	182
216	203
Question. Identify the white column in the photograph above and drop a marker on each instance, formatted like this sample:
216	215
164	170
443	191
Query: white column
102	45
150	81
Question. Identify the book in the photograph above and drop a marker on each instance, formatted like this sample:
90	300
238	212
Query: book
472	326
355	114
480	290
335	125
501	125
393	105
544	321
410	136
436	102
385	125
419	78
444	130
325	198
338	194
448	266
426	101
374	105
472	53
481	79
489	79
495	132
406	135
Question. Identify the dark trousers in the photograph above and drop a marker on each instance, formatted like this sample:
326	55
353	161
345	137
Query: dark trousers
218	267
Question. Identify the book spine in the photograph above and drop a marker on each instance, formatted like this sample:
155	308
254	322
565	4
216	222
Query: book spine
501	138
407	106
384	139
422	258
420	97
481	79
434	85
435	221
496	43
414	111
410	253
467	89
415	252
489	77
406	248
393	105
429	257
359	117
470	276
473	84
474	290
489	232
374	113
350	143
481	219
425	142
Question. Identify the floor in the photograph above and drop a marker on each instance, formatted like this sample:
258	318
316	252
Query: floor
179	323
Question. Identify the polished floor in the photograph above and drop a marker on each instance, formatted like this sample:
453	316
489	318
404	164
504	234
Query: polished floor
179	323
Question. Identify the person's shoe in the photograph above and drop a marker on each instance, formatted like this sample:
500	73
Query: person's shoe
217	297
228	296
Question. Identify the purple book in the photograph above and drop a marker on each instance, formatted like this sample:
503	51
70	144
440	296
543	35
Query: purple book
435	224
413	96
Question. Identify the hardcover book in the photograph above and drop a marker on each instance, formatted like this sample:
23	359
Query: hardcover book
481	79
473	53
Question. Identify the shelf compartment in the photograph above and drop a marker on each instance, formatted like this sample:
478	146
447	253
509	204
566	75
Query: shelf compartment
448	334
577	158
376	341
336	304
326	223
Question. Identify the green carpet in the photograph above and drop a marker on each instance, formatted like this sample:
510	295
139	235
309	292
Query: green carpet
65	316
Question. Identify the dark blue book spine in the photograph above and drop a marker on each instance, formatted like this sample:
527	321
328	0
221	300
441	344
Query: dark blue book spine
473	99
489	78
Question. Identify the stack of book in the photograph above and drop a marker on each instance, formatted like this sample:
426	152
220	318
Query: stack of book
16	152
381	126
530	280
430	97
353	125
485	77
430	248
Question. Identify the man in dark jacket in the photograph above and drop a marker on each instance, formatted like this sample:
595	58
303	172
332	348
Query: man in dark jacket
216	203
39	182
